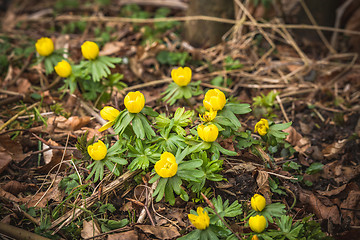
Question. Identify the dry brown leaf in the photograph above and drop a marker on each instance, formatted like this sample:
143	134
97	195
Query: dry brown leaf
297	140
333	192
332	150
124	236
52	158
15	187
350	205
159	231
61	124
23	85
319	208
111	48
262	181
5	159
9	196
341	174
13	147
90	229
53	194
178	215
136	67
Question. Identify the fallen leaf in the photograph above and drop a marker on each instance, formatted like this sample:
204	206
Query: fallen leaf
5	159
319	208
9	196
297	140
178	215
159	231
333	192
129	235
111	48
334	149
340	173
53	194
90	229
350	206
52	158
23	85
12	147
15	187
262	181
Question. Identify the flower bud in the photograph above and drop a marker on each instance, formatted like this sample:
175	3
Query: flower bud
214	99
208	133
181	76
97	151
202	221
109	113
166	167
255	237
258	202
134	102
90	50
44	46
63	69
262	127
257	223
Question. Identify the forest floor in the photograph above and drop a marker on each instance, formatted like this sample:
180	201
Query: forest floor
314	172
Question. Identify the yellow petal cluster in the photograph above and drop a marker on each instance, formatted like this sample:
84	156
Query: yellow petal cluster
110	114
208	133
201	221
258	202
257	223
208	116
63	69
44	46
262	127
97	151
255	237
90	50
214	99
181	76
166	167
134	102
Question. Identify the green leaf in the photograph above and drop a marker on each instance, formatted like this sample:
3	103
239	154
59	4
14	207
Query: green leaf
138	127
238	108
315	168
281	126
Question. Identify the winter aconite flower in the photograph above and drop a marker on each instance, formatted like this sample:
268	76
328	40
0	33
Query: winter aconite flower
44	46
110	114
258	202
134	102
214	99
181	76
90	50
97	151
208	133
262	127
257	223
208	115
255	237
201	221
166	167
63	69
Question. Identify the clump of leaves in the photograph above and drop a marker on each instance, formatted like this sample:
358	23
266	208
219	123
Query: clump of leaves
264	105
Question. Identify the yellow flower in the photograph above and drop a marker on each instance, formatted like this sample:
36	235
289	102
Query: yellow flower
258	202
90	50
257	223
63	69
255	237
208	116
201	221
134	102
214	99
110	114
208	133
44	46
181	76
262	127
166	167
97	151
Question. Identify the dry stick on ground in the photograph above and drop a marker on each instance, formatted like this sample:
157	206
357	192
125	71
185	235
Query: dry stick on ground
278	99
72	214
339	13
17	115
18	233
217	214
